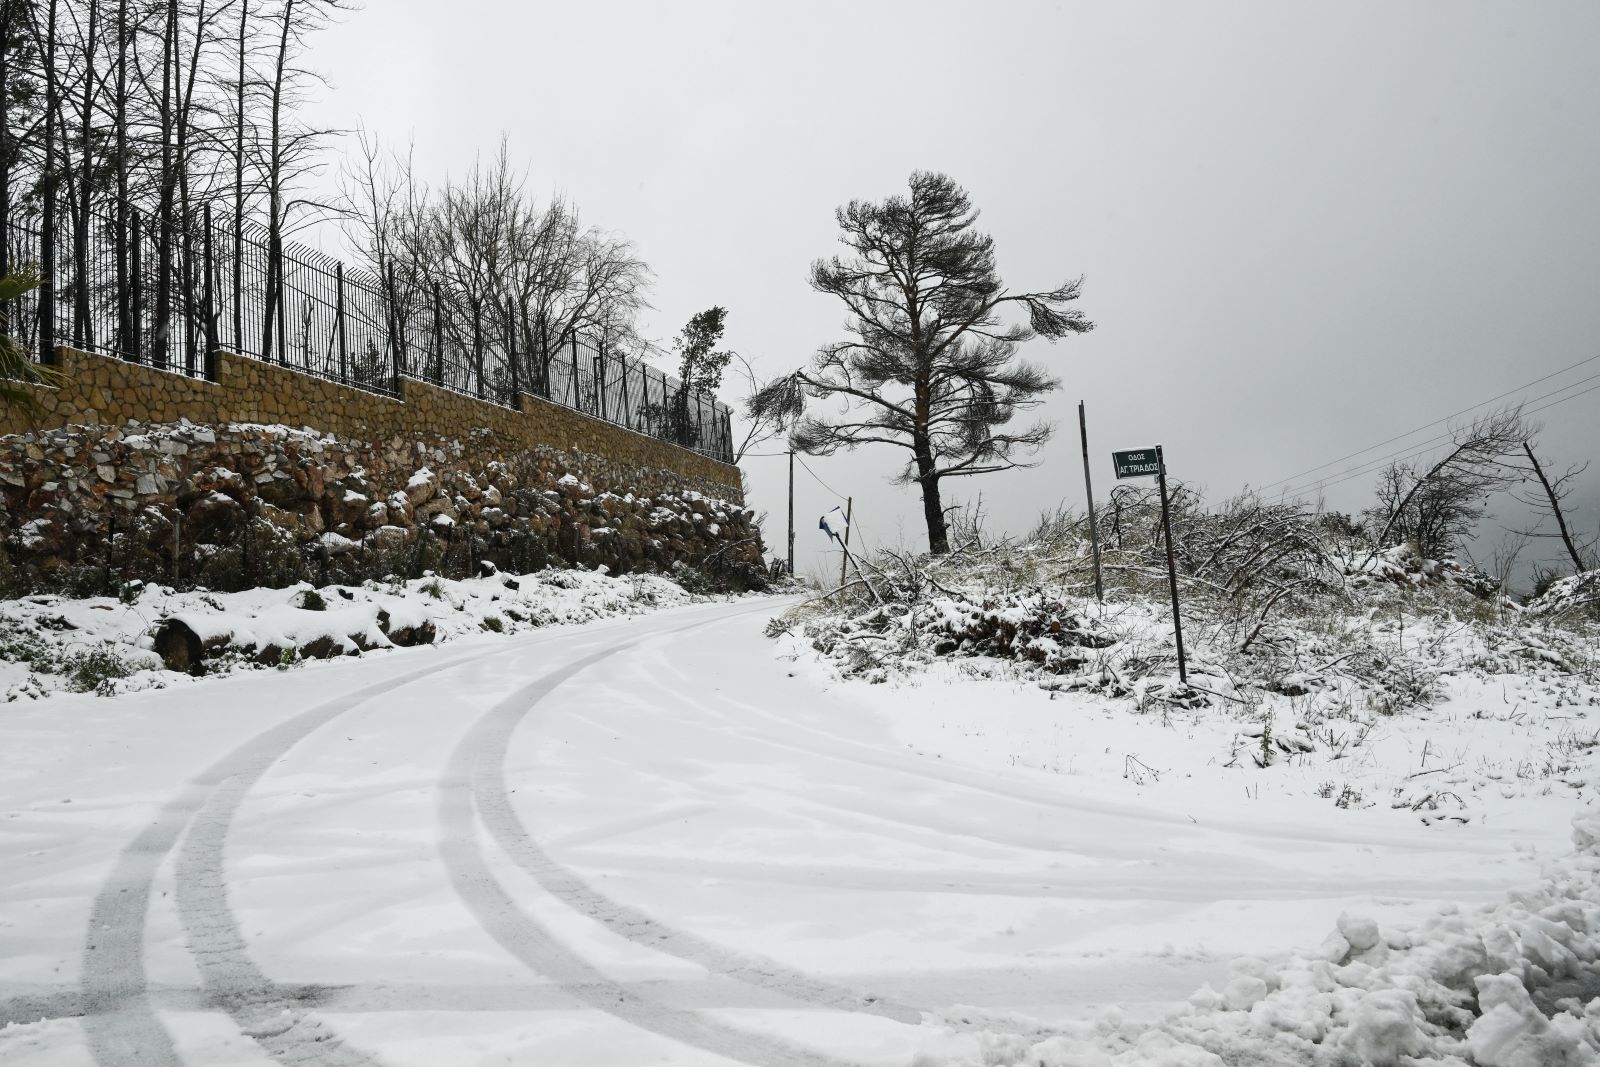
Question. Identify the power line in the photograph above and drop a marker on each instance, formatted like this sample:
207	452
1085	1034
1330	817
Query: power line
1412	451
837	495
1436	422
1329	479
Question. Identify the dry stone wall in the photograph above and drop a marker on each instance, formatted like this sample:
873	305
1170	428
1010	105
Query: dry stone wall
85	509
267	477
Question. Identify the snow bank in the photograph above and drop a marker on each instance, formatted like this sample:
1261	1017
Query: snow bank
1515	984
102	644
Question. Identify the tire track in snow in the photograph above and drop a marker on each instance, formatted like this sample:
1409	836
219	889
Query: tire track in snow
279	1022
475	768
121	1024
493	800
784	733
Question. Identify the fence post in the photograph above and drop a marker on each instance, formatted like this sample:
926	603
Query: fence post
663	424
185	255
438	336
238	283
627	407
391	314
209	264
47	260
136	283
282	289
511	350
577	394
125	336
477	346
527	335
338	322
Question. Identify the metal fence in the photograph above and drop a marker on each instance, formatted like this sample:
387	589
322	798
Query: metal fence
123	285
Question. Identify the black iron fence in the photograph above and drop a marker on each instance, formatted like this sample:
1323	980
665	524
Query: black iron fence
121	284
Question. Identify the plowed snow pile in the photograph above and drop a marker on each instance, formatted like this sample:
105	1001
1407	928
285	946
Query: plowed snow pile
1516	984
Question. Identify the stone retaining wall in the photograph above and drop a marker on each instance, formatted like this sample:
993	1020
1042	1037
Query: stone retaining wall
101	390
84	509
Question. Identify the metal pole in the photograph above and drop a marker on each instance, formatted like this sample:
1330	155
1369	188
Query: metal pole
438	336
338	310
791	513
477	355
577	397
281	287
849	510
1088	490
136	284
627	410
210	299
1172	567
511	350
391	314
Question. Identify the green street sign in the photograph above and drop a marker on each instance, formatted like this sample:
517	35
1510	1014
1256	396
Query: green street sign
1138	463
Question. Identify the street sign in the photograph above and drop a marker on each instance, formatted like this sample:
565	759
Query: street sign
1143	463
1138	463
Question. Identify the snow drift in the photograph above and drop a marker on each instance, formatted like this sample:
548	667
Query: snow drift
1515	984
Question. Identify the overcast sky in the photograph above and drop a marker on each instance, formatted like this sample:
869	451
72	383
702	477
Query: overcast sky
1305	228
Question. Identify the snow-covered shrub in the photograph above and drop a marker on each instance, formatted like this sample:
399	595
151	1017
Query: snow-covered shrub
1570	599
1275	600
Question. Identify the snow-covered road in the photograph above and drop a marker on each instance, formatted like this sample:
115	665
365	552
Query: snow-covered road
639	841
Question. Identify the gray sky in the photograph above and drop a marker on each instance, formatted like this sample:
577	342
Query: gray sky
1305	228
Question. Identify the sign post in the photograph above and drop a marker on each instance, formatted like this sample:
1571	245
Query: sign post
1141	463
844	556
1088	491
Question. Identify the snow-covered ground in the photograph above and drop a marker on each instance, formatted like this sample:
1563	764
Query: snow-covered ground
53	644
667	839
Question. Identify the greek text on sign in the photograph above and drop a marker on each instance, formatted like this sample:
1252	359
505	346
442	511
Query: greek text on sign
1138	463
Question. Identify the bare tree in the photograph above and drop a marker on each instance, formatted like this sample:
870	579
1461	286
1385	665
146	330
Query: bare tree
17	114
1436	507
579	279
760	426
930	365
288	149
1503	560
48	180
1550	499
508	281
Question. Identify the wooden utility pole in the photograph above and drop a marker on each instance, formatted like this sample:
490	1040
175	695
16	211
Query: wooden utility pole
791	513
1172	567
849	508
1088	491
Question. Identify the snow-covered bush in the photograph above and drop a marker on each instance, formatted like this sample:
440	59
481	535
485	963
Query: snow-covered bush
1570	599
1275	600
